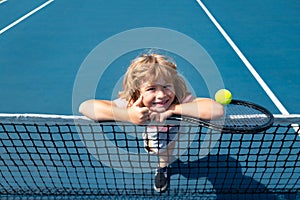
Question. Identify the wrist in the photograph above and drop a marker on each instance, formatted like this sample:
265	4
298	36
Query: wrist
172	109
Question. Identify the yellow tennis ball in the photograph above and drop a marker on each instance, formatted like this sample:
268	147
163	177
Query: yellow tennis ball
223	96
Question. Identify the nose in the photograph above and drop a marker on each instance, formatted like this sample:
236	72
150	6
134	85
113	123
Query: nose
161	92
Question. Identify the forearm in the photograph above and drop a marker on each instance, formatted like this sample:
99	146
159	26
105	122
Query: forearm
103	110
203	108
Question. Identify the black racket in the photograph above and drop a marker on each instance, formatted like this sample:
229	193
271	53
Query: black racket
240	116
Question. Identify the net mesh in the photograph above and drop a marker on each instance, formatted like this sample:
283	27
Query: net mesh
72	156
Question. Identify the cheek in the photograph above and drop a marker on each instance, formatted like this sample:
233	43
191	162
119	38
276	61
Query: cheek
147	100
171	94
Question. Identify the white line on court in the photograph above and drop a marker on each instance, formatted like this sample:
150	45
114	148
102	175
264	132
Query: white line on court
272	96
25	16
3	1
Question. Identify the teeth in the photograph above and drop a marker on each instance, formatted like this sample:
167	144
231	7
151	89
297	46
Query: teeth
163	102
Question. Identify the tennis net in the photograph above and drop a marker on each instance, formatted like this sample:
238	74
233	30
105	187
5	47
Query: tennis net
72	156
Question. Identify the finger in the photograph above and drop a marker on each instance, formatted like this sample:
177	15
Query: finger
162	119
152	116
138	102
157	117
144	119
145	110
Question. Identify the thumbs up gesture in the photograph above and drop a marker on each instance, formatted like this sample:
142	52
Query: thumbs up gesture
137	113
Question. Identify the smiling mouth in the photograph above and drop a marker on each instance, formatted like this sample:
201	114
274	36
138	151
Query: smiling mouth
161	103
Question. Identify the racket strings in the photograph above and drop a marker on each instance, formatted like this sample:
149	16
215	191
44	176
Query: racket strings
241	116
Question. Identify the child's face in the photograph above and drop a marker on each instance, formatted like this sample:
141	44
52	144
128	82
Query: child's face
158	96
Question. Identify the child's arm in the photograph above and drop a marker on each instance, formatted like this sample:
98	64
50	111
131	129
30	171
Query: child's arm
203	108
106	110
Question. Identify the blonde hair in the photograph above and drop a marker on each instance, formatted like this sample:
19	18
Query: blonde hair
149	68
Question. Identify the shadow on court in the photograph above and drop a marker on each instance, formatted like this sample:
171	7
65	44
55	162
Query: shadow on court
225	174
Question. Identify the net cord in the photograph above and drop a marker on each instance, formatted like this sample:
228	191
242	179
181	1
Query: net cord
63	119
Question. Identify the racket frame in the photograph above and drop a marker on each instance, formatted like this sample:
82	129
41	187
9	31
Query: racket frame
231	129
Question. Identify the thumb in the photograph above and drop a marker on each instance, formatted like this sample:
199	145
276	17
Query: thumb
138	102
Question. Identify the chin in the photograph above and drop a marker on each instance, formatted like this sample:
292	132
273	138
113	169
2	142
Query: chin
159	109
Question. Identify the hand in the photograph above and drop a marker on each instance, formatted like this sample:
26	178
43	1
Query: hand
160	116
138	114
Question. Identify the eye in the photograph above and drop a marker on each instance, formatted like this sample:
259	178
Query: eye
150	89
168	87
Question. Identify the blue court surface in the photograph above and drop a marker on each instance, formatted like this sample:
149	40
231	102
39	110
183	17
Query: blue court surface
44	43
47	47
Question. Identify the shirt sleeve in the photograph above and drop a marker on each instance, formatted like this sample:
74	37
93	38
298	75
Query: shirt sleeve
121	103
188	98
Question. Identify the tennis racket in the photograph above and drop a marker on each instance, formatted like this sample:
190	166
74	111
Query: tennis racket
240	117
